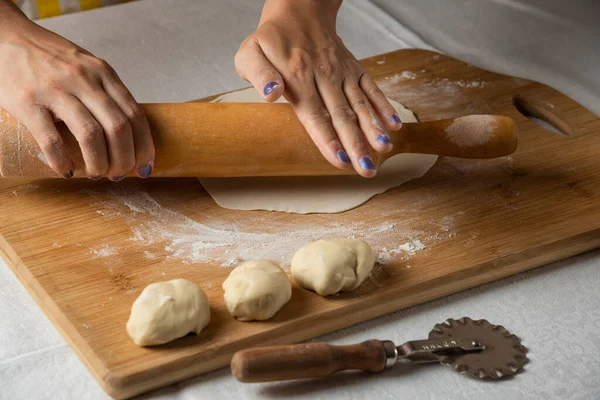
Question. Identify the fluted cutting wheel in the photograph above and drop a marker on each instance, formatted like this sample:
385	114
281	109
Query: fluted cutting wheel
503	354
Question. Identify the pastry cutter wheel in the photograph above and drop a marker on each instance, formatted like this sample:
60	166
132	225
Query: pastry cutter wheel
474	347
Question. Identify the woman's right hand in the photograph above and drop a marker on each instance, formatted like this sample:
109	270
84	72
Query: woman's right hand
45	78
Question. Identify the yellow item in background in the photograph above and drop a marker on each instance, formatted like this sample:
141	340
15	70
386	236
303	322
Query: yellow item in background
38	9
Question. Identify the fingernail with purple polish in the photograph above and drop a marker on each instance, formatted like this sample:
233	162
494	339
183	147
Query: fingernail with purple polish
68	175
395	119
343	157
383	138
269	87
146	171
95	177
118	178
366	163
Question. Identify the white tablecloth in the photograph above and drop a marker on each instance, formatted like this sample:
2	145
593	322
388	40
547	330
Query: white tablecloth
180	50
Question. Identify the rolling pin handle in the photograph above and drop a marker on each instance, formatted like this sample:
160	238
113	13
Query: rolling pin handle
311	360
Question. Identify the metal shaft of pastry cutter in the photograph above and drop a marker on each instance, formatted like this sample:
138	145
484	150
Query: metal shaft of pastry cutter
428	351
315	360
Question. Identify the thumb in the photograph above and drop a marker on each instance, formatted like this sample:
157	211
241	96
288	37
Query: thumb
253	66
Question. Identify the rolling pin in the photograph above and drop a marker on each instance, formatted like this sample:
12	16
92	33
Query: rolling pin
254	139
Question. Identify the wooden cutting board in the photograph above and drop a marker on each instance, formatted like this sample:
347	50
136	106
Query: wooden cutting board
85	250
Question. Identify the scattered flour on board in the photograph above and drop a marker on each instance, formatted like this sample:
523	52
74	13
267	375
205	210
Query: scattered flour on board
407	250
403	76
151	256
469	84
410	248
472	130
161	232
104	251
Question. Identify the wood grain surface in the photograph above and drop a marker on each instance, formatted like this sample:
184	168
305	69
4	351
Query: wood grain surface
85	250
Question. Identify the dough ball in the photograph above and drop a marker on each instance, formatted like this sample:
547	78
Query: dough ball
256	290
332	266
165	311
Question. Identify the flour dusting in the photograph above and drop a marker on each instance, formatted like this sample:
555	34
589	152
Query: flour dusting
104	251
444	95
403	76
164	233
411	248
406	250
469	84
472	130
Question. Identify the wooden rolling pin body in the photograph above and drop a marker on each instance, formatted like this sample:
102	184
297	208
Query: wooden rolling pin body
244	139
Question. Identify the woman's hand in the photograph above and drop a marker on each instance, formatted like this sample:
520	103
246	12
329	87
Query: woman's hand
45	78
296	52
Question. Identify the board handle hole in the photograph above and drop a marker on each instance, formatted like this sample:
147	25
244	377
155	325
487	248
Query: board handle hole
542	116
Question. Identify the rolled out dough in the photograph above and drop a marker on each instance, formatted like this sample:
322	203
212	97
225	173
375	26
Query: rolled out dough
323	194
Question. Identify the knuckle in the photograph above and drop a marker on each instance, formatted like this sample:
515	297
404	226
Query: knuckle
328	67
332	142
242	56
27	96
103	67
344	114
118	125
135	113
90	132
376	93
327	70
299	64
76	71
244	45
268	73
358	147
360	105
49	144
53	83
101	63
318	116
237	60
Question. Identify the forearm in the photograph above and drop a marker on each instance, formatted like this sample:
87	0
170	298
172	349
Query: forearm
11	17
8	9
325	10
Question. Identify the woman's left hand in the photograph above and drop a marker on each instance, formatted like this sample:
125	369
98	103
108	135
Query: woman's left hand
296	52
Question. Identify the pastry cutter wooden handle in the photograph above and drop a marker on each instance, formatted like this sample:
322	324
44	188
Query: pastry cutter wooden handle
477	347
253	139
